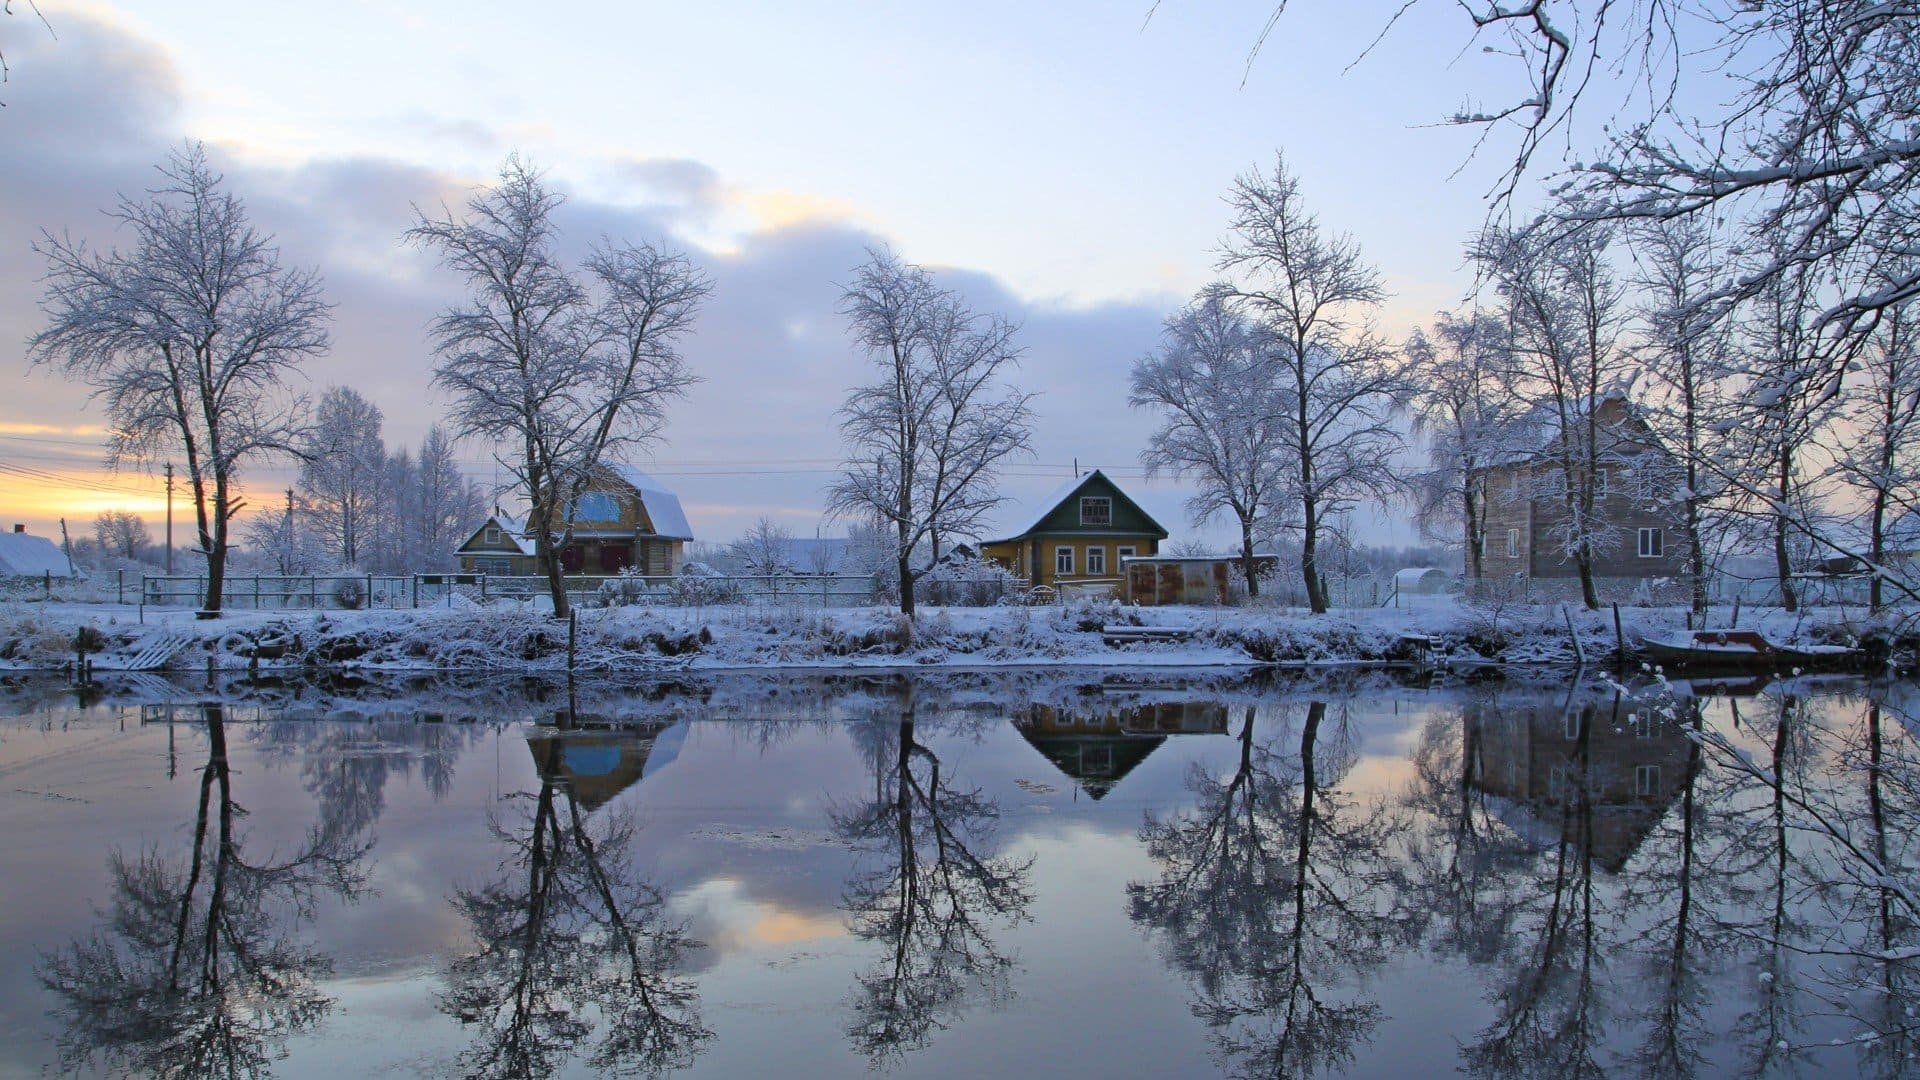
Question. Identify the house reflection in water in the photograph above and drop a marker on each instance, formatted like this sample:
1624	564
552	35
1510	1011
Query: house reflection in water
1598	773
593	766
1097	744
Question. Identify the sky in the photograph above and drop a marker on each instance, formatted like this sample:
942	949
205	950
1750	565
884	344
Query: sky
1061	164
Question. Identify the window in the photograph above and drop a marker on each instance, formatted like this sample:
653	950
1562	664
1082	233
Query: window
493	536
1063	562
1513	543
1096	510
596	506
1646	779
1097	561
1600	483
1123	553
1652	543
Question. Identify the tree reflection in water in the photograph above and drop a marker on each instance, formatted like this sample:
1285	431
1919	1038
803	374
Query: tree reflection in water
570	940
198	970
1275	889
927	892
1549	1000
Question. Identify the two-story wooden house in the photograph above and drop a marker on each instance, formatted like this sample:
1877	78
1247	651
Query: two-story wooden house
1636	512
624	518
1082	532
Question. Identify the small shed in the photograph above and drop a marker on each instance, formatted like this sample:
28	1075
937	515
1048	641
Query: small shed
1422	581
1154	580
23	555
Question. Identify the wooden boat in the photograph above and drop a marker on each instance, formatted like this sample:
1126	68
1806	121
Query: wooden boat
1744	650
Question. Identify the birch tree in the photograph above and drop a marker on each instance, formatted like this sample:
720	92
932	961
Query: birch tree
561	370
927	440
438	505
344	473
1222	409
188	337
1311	292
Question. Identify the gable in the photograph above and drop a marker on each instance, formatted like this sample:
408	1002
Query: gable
1076	509
513	539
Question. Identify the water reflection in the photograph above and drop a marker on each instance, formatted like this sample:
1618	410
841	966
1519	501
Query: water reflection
575	952
928	889
1645	880
1099	743
1278	893
199	969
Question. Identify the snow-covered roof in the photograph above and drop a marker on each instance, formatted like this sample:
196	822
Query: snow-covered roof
1536	431
513	531
663	506
1421	579
26	555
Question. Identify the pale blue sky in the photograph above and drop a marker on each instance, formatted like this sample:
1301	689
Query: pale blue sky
1062	162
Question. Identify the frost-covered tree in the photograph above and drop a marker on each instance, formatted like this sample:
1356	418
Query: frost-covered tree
1311	293
189	337
1565	310
559	369
436	505
763	551
281	542
1784	368
121	534
1686	347
1217	390
344	475
1881	459
1464	406
926	442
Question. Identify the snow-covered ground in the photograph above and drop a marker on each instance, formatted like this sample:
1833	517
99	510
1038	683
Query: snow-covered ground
639	639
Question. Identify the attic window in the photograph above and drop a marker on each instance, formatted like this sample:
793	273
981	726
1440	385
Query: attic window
596	506
493	535
1096	510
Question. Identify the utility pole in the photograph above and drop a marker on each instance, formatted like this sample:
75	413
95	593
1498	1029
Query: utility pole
286	557
169	519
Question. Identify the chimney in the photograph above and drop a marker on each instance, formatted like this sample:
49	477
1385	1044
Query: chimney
19	528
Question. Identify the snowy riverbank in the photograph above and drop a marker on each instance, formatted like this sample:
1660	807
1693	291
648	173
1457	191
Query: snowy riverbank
642	639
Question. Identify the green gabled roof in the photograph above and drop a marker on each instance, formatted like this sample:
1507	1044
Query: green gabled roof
1060	512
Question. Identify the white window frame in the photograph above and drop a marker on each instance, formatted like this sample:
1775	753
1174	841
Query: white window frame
1513	543
1063	561
1097	560
492	535
1652	543
1600	483
1126	552
1106	519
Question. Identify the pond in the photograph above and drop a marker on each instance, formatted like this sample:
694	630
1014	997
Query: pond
1059	873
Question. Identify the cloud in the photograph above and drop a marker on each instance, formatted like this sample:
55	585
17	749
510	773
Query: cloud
99	109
